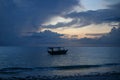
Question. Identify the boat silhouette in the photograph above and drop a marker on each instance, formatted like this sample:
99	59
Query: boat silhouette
57	50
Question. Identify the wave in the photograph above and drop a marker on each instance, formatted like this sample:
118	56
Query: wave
84	66
14	70
99	76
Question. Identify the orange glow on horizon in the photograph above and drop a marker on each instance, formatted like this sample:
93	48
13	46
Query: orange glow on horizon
72	32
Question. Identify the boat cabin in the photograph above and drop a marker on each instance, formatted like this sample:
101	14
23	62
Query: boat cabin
57	50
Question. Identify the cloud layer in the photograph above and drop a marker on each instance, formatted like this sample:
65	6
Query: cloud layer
84	18
110	39
18	17
112	14
21	19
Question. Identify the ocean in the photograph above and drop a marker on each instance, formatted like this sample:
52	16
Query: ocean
33	61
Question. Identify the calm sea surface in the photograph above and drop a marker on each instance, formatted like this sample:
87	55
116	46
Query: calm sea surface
78	60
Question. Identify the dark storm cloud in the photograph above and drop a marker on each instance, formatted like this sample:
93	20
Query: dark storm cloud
44	38
112	14
44	34
112	37
21	16
18	17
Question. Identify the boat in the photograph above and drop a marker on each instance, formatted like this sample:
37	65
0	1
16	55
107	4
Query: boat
57	50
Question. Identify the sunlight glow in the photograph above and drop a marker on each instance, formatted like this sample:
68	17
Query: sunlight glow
57	19
81	32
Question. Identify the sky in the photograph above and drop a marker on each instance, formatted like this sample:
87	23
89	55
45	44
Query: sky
59	22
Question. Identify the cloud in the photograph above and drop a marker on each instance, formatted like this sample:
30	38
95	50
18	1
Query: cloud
112	14
44	38
95	34
45	35
18	17
110	39
56	20
85	18
68	23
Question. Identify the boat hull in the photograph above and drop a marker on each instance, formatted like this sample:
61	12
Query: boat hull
57	52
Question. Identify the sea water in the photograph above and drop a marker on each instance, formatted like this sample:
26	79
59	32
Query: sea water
33	61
